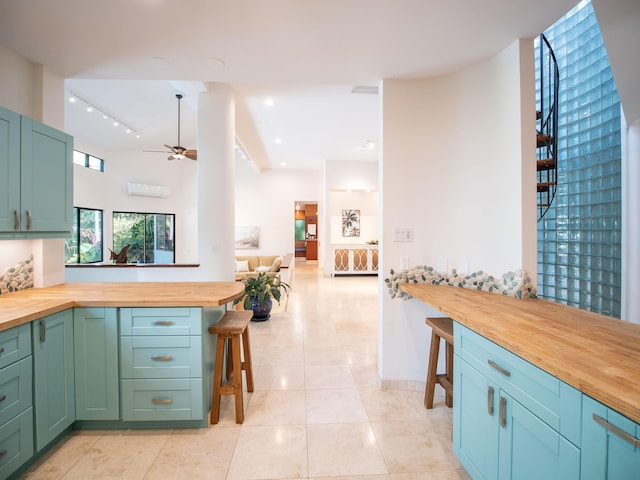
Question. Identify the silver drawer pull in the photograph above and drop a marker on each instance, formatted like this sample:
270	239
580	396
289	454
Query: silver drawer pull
503	412
497	367
1	349
2	454
616	431
162	358
490	394
161	401
163	322
3	398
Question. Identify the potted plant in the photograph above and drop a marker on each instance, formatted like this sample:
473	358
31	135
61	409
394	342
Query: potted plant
259	293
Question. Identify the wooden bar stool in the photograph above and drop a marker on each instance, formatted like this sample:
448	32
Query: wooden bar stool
441	327
232	329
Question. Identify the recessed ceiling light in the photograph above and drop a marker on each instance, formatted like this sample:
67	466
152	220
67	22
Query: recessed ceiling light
159	62
215	62
283	164
278	140
269	102
72	99
89	109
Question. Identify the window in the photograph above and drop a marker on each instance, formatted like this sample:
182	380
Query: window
579	240
85	243
89	161
151	236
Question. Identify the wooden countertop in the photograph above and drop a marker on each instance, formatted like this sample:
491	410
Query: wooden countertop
27	305
598	355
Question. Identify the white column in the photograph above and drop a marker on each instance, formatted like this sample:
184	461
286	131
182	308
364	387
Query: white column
630	222
216	183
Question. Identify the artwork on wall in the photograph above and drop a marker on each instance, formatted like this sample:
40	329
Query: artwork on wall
247	237
350	223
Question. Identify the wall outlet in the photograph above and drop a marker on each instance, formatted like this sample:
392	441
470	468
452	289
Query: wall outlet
404	263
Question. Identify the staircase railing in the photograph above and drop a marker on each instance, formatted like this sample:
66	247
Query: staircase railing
547	126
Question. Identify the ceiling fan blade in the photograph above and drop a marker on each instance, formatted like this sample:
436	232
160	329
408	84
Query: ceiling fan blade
173	149
171	157
192	154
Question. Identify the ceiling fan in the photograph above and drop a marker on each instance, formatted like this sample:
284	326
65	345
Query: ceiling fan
178	152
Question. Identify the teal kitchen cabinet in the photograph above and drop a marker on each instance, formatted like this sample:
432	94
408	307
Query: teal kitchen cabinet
36	178
54	391
95	336
162	364
16	399
511	419
610	443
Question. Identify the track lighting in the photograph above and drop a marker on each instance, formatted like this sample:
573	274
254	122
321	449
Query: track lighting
90	108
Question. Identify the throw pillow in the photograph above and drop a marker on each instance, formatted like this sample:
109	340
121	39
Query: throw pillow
262	268
242	265
275	266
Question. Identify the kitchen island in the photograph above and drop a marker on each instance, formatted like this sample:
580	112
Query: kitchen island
540	385
104	355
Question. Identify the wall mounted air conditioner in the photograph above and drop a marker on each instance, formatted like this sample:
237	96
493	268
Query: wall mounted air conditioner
148	190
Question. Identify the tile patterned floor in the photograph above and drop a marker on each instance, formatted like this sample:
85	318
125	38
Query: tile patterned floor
316	412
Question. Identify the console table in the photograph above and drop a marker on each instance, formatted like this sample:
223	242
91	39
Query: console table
354	259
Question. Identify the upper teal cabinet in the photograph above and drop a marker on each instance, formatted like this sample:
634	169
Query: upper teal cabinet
36	178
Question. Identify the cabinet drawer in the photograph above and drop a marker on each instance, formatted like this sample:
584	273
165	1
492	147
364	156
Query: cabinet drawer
15	344
151	400
15	389
160	321
16	442
553	401
161	357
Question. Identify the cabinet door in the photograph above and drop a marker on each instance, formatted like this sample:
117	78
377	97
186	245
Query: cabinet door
46	178
475	421
9	169
610	444
95	336
530	449
54	397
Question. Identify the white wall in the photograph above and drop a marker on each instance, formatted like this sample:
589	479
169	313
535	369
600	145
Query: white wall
349	185
267	200
452	167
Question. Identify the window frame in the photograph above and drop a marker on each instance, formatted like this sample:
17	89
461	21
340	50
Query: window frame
158	246
77	216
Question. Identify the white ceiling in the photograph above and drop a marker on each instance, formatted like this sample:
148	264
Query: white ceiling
130	57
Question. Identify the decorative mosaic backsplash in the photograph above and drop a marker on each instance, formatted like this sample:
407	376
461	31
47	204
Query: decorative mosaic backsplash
17	278
514	284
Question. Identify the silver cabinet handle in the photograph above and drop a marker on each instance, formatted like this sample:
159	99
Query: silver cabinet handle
490	396
1	350
161	401
503	412
162	358
497	367
2	454
43	331
28	219
163	322
17	223
3	398
616	431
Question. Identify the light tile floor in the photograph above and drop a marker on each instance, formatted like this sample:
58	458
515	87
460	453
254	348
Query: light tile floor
316	412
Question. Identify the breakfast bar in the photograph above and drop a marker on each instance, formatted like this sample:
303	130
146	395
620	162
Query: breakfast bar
540	387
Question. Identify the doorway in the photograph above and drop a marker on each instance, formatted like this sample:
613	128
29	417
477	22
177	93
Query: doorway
306	230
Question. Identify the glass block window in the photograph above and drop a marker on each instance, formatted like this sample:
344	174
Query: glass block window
579	239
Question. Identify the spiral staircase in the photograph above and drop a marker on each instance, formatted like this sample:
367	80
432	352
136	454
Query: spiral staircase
546	126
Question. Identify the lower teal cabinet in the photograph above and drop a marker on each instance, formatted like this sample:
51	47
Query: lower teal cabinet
610	443
53	379
16	442
509	416
95	336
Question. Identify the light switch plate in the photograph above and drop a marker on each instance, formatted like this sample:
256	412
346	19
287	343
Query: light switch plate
403	234
404	263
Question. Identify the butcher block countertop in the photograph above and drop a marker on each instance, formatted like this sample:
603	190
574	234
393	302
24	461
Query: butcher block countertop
598	355
27	305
